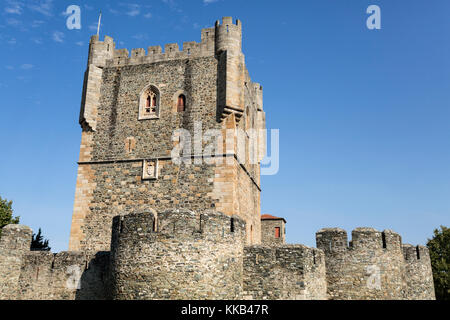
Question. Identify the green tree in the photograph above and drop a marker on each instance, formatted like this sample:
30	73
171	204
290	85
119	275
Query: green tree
439	247
6	214
38	243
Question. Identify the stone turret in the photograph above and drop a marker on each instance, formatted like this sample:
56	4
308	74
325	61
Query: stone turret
229	36
418	273
370	267
231	67
177	254
100	51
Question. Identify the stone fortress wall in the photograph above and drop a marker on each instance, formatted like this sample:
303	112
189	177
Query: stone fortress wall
183	254
28	275
284	272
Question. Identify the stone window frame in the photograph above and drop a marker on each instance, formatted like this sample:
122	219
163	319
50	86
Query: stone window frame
175	101
142	103
129	145
277	232
181	98
146	176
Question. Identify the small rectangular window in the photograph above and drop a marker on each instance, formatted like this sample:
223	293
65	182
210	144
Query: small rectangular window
277	232
181	103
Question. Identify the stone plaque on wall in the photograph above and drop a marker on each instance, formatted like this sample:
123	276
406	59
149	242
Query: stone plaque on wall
150	170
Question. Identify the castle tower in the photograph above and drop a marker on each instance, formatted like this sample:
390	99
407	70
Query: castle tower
229	53
137	109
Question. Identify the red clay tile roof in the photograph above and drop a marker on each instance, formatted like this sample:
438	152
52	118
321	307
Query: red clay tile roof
270	217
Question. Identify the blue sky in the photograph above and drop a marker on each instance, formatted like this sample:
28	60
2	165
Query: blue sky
363	114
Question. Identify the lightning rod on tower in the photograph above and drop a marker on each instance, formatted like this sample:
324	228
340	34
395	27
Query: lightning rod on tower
99	22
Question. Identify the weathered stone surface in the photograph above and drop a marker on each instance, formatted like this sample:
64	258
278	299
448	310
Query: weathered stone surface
418	273
15	241
64	276
183	254
284	272
371	267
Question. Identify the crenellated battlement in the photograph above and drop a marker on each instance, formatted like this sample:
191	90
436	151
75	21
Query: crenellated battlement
415	253
373	265
418	273
178	224
179	246
336	240
100	51
154	54
225	36
332	240
229	36
161	255
210	224
228	21
366	238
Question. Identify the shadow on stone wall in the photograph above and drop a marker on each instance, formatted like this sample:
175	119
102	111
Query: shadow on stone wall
94	282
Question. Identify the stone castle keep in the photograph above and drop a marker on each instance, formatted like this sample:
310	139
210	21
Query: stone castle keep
144	227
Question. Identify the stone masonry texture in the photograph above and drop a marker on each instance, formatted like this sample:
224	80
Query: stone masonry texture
185	254
177	254
373	266
190	231
15	241
284	272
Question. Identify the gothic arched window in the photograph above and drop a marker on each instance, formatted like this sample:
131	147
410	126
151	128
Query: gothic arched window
149	103
181	103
